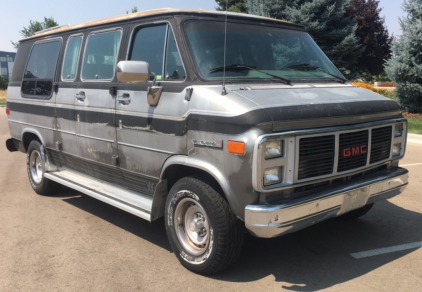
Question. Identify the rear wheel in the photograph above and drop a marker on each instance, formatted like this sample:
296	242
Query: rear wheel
36	168
356	213
203	231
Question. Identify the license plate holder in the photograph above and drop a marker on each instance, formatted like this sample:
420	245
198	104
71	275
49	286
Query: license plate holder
354	200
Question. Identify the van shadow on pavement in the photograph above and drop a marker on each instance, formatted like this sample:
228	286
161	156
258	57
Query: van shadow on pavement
312	259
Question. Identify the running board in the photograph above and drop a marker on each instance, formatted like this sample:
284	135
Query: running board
135	203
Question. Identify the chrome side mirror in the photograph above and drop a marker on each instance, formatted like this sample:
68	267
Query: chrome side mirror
133	72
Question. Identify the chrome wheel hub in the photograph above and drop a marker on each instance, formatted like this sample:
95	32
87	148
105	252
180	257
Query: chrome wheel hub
192	226
35	167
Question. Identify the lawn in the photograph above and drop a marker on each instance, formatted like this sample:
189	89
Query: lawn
415	125
3	97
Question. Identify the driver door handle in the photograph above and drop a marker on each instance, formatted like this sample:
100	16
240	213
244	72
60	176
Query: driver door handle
124	99
80	96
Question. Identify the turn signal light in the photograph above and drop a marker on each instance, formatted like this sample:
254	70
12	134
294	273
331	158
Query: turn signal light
7	111
236	147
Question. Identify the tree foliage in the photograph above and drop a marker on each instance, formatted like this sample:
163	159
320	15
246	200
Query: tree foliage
325	20
134	10
405	67
35	26
3	83
373	36
232	5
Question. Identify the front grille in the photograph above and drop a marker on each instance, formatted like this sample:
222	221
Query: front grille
353	150
316	156
381	144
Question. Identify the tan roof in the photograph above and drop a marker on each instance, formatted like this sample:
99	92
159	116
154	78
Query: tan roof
145	13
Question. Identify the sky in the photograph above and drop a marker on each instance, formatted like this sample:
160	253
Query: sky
17	13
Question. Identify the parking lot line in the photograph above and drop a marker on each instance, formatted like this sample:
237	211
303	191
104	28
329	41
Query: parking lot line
411	164
378	251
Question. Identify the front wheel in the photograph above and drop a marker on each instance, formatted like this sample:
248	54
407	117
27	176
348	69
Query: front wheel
203	231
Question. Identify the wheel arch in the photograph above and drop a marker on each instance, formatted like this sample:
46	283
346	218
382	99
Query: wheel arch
177	167
29	134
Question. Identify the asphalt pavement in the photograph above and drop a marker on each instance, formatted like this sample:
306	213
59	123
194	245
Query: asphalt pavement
72	242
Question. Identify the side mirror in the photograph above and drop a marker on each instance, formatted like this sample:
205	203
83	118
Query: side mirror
133	72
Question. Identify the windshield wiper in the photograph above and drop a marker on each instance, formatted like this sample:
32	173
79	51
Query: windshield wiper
235	67
309	66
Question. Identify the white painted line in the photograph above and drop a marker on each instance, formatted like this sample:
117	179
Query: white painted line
374	252
411	164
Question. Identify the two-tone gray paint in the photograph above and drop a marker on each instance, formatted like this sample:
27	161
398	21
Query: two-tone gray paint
134	141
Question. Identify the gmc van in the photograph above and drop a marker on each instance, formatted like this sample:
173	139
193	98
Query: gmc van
218	122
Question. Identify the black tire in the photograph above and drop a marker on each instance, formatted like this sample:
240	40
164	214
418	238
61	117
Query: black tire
225	231
36	170
352	215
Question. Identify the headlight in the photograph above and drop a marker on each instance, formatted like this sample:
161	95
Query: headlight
273	149
272	176
396	149
398	130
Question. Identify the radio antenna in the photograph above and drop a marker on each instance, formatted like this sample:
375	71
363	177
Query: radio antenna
224	92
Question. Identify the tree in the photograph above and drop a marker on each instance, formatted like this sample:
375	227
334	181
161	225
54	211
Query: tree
134	10
373	36
405	67
3	83
35	26
325	20
232	5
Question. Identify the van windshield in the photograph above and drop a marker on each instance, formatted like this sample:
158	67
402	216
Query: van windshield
286	53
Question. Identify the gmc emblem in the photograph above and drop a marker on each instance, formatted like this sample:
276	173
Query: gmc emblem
354	151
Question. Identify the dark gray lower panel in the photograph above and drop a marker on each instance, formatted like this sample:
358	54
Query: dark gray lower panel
115	175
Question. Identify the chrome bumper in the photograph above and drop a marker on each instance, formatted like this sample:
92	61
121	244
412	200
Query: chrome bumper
275	220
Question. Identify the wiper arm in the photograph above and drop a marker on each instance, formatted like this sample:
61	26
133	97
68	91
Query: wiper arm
317	68
235	67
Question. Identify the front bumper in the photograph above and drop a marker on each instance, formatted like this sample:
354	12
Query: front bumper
275	220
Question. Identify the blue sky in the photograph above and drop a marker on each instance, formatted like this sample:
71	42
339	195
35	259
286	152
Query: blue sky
15	14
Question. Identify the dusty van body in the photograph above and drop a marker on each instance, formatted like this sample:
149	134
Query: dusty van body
131	110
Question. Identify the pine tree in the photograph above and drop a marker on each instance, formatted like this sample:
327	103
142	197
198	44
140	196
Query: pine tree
232	5
405	67
325	20
373	36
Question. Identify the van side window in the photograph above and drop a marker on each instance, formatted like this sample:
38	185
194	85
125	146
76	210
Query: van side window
39	73
101	55
156	46
71	58
148	46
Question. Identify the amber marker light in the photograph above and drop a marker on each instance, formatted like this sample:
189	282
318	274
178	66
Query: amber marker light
236	147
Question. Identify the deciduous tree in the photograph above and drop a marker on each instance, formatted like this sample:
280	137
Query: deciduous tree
405	67
35	26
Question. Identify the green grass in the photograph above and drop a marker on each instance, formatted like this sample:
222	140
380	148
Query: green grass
387	93
2	102
414	125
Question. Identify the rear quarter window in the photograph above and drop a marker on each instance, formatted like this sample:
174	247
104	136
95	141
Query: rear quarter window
40	70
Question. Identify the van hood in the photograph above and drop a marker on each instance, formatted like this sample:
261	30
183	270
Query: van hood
309	106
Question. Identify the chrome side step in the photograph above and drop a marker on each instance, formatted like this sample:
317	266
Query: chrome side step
135	203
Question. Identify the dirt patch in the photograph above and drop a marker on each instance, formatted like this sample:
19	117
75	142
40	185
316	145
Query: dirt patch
3	94
411	115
